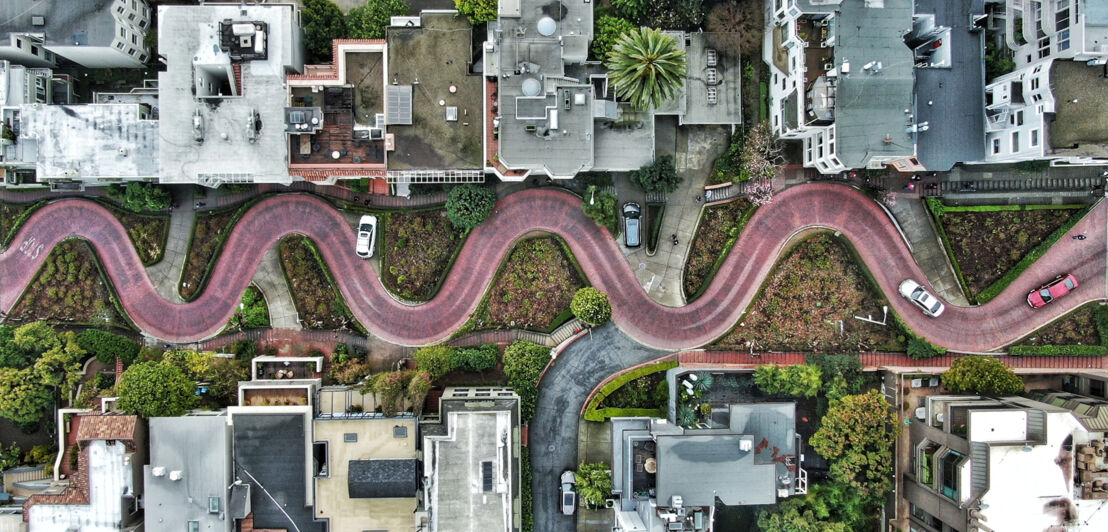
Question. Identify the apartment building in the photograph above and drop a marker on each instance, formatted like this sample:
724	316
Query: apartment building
90	33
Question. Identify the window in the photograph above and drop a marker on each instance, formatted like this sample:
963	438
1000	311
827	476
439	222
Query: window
213	505
1096	388
131	51
1034	138
1015	141
949	481
996	146
19	43
122	32
1035	83
350	437
194	526
1019	118
119	45
134	39
142	58
34	50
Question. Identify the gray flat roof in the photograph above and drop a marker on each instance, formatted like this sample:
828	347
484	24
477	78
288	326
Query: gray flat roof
89	22
458	496
270	455
870	106
952	100
91	141
182	30
382	479
700	468
200	447
728	106
1078	129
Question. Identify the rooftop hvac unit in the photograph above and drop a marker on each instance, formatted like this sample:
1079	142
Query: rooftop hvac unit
676	501
38	20
746	445
158	471
711	77
713	96
175	475
710	57
242	29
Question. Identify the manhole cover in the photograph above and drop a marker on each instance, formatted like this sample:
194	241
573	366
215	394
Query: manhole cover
550	448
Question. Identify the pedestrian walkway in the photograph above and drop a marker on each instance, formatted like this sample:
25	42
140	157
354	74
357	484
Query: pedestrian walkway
166	274
927	249
217	200
506	336
270	279
874	360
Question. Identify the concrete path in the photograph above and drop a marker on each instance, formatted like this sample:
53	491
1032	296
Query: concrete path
167	272
821	205
270	279
928	249
661	275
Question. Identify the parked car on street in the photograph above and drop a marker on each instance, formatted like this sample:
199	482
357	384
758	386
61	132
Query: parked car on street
569	492
929	304
1060	286
367	236
632	229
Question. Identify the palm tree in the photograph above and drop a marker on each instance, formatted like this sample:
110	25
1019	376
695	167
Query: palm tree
646	67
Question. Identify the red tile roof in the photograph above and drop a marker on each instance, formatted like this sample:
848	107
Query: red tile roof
107	427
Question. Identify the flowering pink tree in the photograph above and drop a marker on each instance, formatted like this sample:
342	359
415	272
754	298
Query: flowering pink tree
761	153
760	191
888	198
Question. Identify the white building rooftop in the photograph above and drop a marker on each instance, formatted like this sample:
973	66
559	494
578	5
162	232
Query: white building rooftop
90	141
110	476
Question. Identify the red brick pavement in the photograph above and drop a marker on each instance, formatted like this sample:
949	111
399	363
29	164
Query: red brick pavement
826	205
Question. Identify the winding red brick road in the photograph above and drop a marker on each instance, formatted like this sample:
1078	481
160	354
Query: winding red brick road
978	329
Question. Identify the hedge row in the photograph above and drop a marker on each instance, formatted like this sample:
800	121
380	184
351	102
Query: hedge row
998	208
593	413
19	221
1059	350
727	246
603	414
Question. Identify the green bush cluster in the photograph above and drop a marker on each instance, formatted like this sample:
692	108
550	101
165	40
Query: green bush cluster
526	500
591	306
1059	350
600	205
137	196
468	205
18	222
729	165
105	346
658	176
981	374
439	360
156	389
797	380
918	348
524	363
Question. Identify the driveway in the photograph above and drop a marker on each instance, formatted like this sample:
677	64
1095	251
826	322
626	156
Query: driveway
552	436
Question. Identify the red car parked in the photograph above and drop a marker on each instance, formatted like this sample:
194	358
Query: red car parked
1060	286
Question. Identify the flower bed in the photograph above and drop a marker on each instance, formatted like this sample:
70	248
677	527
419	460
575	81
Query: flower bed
313	290
418	250
148	233
635	393
1083	331
69	288
717	233
532	289
809	302
208	234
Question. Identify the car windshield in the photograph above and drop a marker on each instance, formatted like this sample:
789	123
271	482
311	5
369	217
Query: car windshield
1069	283
365	228
918	293
936	307
1045	294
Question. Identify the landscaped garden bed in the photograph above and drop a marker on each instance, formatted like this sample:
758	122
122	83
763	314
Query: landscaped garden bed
991	245
418	250
1084	331
532	289
809	302
252	312
639	392
12	216
717	233
69	288
209	232
148	233
314	293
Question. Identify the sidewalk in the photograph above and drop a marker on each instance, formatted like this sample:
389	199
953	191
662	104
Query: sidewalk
167	273
927	249
270	279
661	275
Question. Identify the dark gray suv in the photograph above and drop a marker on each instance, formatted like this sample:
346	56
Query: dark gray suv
632	229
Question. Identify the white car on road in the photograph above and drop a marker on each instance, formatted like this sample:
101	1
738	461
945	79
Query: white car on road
929	304
367	236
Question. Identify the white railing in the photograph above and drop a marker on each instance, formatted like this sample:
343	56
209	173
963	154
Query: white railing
801	480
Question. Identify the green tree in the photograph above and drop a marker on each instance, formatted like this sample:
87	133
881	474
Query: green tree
798	380
857	436
10	355
59	367
156	389
984	375
468	205
35	337
387	388
524	362
647	68
370	20
105	346
477	11
606	31
223	379
591	306
418	388
633	10
658	176
137	196
600	205
435	360
22	399
594	483
323	22
818	511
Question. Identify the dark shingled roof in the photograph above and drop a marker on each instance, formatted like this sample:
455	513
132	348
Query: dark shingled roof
382	479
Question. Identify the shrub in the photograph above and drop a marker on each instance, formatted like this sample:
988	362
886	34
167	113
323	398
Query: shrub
468	205
661	394
435	360
798	380
138	196
658	176
606	31
156	389
370	20
728	166
323	22
594	483
418	388
244	349
105	346
600	205
476	359
591	306
984	375
524	363
919	348
526	501
477	11
1067	350
74	452
349	371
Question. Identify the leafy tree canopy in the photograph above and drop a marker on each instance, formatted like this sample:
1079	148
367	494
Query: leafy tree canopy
984	375
798	380
477	11
370	20
827	507
600	205
606	31
105	346
857	436
435	360
594	483
156	389
22	400
591	306
323	22
658	176
137	196
524	362
646	68
468	205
